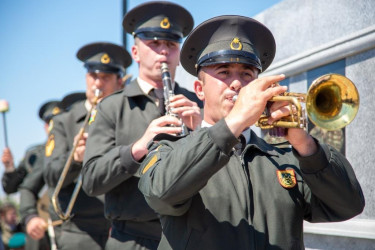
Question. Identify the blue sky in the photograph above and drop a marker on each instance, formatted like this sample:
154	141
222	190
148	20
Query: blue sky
38	45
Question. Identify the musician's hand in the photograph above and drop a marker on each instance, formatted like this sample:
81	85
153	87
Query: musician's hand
36	228
297	137
251	102
165	124
7	159
81	146
187	110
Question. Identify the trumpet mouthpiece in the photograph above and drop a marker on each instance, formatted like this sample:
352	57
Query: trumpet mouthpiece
234	98
98	93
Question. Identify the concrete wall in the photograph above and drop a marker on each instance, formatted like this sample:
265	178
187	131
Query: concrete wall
314	33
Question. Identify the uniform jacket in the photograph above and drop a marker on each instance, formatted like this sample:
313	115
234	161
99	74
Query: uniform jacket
12	180
210	198
109	167
31	187
29	201
87	211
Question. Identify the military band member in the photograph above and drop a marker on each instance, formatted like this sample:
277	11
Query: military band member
13	177
34	199
88	228
30	165
126	121
210	193
29	194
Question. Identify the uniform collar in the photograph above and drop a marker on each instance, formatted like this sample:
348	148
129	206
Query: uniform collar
246	133
133	89
253	141
147	87
79	110
259	143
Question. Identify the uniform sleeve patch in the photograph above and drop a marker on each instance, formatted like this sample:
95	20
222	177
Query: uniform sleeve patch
50	145
153	160
287	178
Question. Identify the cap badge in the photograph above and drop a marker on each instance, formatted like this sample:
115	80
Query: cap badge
287	178
55	110
236	44
165	24
105	59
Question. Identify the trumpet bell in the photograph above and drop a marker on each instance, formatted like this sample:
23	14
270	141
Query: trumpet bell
332	101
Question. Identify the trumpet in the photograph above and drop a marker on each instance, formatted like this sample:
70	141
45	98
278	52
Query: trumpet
168	93
55	200
332	102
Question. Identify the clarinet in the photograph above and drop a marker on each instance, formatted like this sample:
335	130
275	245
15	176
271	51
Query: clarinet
168	93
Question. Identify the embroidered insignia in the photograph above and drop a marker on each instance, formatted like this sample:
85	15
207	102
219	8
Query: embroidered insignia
165	24
105	59
55	110
50	126
153	160
236	44
92	116
50	145
287	178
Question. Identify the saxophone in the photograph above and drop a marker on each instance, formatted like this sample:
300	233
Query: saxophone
168	93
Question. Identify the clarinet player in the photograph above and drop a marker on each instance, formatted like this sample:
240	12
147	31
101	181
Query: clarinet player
126	121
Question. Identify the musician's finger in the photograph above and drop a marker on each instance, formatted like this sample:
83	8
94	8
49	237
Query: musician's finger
168	120
181	110
277	114
170	130
183	101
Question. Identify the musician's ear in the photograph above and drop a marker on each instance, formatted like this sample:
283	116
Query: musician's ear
135	53
198	88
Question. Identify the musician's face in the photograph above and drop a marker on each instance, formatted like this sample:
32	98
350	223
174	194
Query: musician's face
106	82
218	84
150	53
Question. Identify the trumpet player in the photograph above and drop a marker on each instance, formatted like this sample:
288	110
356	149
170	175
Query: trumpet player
87	228
210	193
128	120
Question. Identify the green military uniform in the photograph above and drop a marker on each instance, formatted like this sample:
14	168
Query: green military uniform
121	120
32	185
30	166
210	197
109	166
12	180
29	191
88	228
88	223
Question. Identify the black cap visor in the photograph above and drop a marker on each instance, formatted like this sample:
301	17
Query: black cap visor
158	34
229	56
105	68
